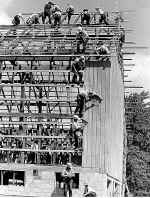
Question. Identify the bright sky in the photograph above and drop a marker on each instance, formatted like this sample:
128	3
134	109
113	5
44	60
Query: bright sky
138	21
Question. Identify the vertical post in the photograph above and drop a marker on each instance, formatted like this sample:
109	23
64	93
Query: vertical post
39	120
2	178
21	119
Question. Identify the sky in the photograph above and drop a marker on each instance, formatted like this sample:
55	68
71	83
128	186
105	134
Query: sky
137	22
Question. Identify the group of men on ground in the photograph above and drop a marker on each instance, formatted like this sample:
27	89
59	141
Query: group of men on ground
53	12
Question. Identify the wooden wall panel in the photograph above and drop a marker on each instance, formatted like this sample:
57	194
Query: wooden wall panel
103	136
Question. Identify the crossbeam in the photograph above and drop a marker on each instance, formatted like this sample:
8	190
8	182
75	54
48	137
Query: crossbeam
38	151
37	115
33	136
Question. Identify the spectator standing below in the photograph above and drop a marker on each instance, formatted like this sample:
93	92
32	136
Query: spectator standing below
82	38
77	67
69	12
47	12
85	16
88	191
103	17
67	178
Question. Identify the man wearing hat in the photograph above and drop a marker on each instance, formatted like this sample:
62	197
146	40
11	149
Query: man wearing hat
69	12
82	38
47	11
103	50
85	16
77	67
67	178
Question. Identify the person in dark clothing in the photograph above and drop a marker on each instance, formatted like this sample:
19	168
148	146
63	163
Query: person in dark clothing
103	17
85	16
67	178
122	38
70	12
102	50
81	100
84	97
47	12
82	38
77	67
16	20
57	18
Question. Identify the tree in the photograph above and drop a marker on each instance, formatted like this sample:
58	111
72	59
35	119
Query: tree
138	143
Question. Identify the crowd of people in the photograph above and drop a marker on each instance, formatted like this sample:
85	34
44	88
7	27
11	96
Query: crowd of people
53	13
44	158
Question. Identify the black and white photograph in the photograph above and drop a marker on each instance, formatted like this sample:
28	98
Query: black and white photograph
74	98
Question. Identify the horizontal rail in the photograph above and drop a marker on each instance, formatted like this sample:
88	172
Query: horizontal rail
36	100
133	87
34	123
46	115
33	136
50	57
38	151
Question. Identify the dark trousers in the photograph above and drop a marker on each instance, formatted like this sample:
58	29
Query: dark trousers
68	187
57	20
46	14
103	19
79	109
75	75
69	17
85	18
83	43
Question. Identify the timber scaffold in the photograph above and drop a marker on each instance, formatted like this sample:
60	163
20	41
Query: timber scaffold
37	96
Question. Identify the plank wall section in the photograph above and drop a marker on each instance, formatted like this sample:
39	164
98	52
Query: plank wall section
103	136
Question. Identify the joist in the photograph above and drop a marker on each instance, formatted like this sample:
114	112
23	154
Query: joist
50	57
33	136
34	123
37	115
40	151
63	104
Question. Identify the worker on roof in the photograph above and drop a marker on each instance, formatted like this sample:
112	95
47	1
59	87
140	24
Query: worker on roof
77	68
77	130
85	16
34	19
122	38
82	38
17	19
69	12
82	98
68	179
102	50
47	11
56	8
88	191
57	18
102	16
